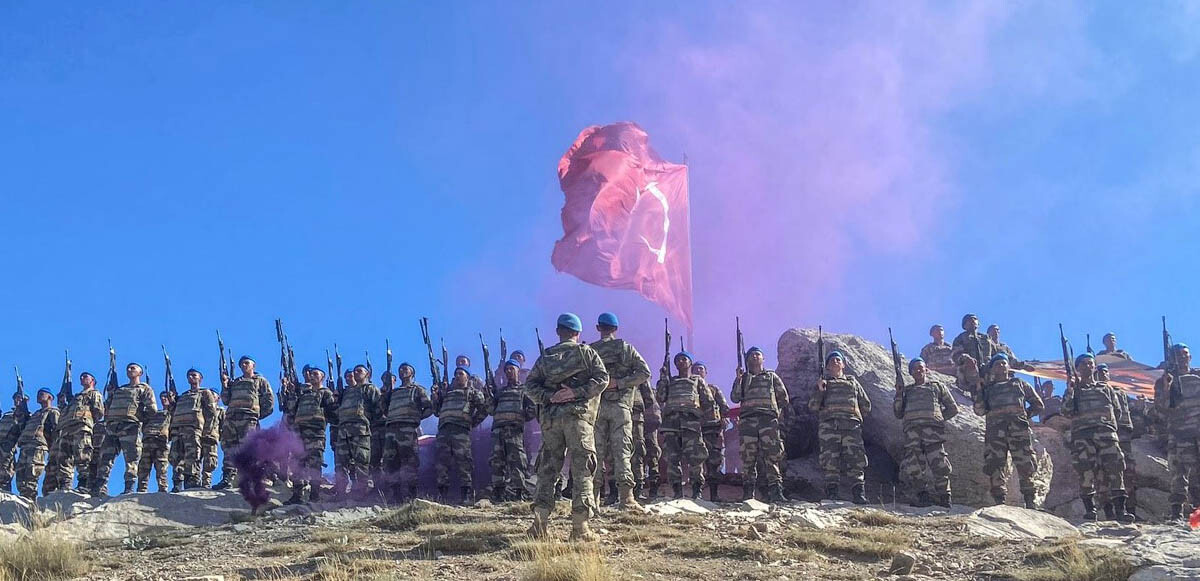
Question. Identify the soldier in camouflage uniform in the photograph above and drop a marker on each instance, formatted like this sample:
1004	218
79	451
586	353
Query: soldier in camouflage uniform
511	409
38	432
1125	437
1177	401
193	414
712	429
311	405
248	399
155	442
1110	347
1007	404
683	397
840	403
936	354
459	408
970	351
925	406
404	408
210	444
125	409
1093	407
74	442
614	421
565	383
378	429
640	459
762	396
993	333
11	425
359	403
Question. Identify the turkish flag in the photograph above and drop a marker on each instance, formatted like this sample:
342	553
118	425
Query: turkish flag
625	219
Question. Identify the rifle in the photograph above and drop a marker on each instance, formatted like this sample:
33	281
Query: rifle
66	393
388	353
741	344
329	384
433	371
287	365
541	346
445	365
896	361
23	404
221	363
503	348
820	352
489	376
1068	364
112	382
1089	344
170	376
666	366
370	369
1170	360
341	381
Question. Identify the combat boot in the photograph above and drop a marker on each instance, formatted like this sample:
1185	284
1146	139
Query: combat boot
1123	515
443	491
141	487
224	484
776	494
468	495
1108	511
747	492
1030	501
628	501
1176	513
314	490
652	492
130	486
541	519
858	493
831	491
923	500
613	494
498	494
998	499
714	492
696	488
297	495
580	532
943	500
177	486
637	490
568	489
677	490
412	492
1089	508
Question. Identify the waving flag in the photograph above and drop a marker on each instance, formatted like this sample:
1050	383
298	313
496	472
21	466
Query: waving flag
625	218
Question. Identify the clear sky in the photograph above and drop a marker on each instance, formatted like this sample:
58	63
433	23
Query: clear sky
166	171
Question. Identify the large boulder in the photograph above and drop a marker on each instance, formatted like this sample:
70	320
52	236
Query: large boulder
872	364
14	509
144	514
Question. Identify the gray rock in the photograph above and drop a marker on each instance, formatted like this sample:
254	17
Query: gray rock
1011	522
143	514
902	563
68	503
14	509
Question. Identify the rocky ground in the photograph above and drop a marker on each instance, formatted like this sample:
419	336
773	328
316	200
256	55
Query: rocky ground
205	533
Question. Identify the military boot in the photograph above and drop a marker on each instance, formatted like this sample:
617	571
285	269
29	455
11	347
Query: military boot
637	490
652	492
613	495
177	486
1176	513
923	500
1123	515
468	495
677	490
628	501
580	532
412	492
831	491
714	493
130	486
498	493
314	490
696	488
747	492
224	484
858	493
297	495
1108	511
443	491
1089	508
540	527
776	494
568	489
997	499
943	500
1030	501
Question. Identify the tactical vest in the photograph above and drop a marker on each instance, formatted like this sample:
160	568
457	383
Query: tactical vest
1005	398
188	410
758	394
158	424
456	407
510	408
712	415
354	405
309	412
939	355
923	402
34	433
243	395
1092	408
683	395
404	408
378	420
8	428
840	399
124	404
1184	419
79	412
214	430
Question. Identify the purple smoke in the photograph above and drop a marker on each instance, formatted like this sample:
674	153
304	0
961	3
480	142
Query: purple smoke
262	455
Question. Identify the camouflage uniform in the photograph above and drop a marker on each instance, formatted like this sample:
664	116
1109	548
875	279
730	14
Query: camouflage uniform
459	409
125	410
640	460
34	442
683	399
924	409
1095	448
937	357
353	448
1007	431
614	422
1179	405
840	411
510	410
73	445
93	467
405	407
210	445
247	400
155	450
11	424
311	406
1125	437
1118	353
194	413
378	435
758	427
980	347
712	429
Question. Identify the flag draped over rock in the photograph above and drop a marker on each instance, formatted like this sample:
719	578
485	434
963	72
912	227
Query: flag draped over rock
625	218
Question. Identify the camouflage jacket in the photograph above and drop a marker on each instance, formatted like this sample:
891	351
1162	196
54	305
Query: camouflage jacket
1118	353
248	396
843	398
85	409
572	365
40	429
11	425
979	347
760	393
407	404
1179	403
130	403
463	407
626	370
1008	398
1092	407
937	357
359	403
196	409
157	424
714	416
511	407
929	403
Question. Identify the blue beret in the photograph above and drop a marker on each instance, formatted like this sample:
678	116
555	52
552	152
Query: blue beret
1179	347
408	365
967	317
832	354
997	357
514	363
570	321
134	363
913	363
462	369
306	369
753	350
245	358
700	364
609	319
1107	335
684	354
1103	366
1084	356
45	391
197	371
518	352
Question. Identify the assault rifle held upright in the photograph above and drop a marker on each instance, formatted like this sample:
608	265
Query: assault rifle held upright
112	382
896	361
222	364
433	366
23	401
170	375
741	344
489	376
1170	363
666	366
66	393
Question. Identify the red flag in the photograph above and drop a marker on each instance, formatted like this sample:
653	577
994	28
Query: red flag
625	219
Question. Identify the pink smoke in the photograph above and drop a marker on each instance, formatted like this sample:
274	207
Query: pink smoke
261	456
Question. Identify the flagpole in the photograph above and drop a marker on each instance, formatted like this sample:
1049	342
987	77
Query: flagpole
691	295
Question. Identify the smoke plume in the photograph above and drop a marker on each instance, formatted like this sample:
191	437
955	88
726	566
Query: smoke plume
263	455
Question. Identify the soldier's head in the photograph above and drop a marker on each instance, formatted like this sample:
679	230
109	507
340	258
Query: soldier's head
87	380
134	372
1047	388
569	327
1085	366
164	398
348	376
361	375
1102	372
998	366
519	356
938	333
406	372
699	368
512	372
970	322
993	332
683	362
1182	356
607	324
917	369
44	397
462	361
247	365
315	376
1110	341
835	363
460	376
754	359
388	378
194	377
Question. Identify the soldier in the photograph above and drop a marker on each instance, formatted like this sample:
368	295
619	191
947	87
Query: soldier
93	467
970	352
683	398
511	409
378	428
518	356
1177	400
1007	403
359	403
1124	416
125	409
763	398
924	407
36	435
210	446
640	459
459	408
311	405
248	399
1095	411
565	383
193	414
11	425
74	442
712	429
840	403
476	383
993	333
155	451
1110	347
937	353
614	422
405	407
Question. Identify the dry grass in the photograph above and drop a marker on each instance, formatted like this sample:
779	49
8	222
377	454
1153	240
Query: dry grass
562	562
415	514
353	569
480	537
864	542
283	550
702	548
654	536
41	555
875	518
1067	561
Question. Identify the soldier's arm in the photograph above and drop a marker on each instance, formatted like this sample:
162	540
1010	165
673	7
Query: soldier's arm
1120	408
51	425
927	352
898	404
208	412
1036	405
781	392
535	385
424	406
958	349
528	408
225	393
949	406
864	402
736	390
722	405
664	388
979	397
597	378
97	406
706	394
637	371
814	401
266	397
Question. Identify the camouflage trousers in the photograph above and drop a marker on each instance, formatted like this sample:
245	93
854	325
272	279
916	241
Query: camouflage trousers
119	438
313	460
1130	475
50	480
614	443
842	450
237	427
1004	437
401	455
184	455
637	457
683	442
378	437
714	442
155	450
353	453
8	456
30	465
454	451
72	452
561	435
654	454
1098	461
925	466
209	450
1183	460
760	441
93	467
508	459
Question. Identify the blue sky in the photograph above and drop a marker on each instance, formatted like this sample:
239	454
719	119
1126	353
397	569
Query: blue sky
171	171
